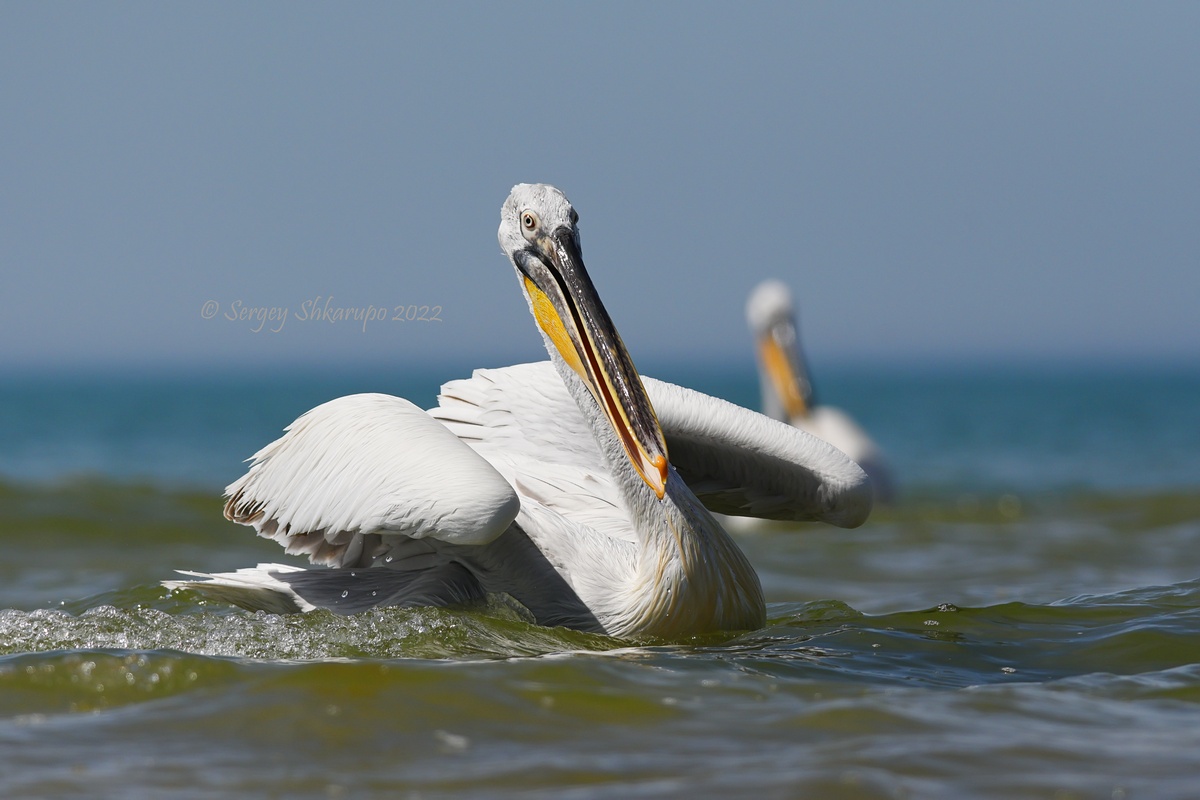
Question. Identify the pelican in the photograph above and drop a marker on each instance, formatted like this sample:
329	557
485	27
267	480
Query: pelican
787	391
555	484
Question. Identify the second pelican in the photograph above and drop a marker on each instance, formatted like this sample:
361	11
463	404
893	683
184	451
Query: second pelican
787	392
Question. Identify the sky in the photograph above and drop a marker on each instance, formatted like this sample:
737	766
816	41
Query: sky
953	182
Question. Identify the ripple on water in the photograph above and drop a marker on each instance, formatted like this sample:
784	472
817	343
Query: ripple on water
215	630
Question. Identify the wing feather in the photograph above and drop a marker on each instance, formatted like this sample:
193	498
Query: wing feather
523	420
526	424
358	469
740	462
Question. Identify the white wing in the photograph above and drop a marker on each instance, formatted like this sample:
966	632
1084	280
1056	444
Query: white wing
835	426
523	412
525	423
737	461
741	462
363	467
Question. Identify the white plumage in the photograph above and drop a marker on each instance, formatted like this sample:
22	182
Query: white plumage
362	465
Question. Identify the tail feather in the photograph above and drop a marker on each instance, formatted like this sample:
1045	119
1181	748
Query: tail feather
254	588
285	589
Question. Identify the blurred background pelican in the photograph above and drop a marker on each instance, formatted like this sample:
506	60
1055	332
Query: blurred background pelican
787	389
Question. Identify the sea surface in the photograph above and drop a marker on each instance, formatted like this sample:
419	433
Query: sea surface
1024	622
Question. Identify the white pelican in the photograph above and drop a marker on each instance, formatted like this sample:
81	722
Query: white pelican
550	483
787	392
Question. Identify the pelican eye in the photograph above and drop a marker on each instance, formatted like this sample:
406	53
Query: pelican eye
574	217
529	221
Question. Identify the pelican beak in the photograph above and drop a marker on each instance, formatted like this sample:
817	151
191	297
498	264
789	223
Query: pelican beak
569	310
777	357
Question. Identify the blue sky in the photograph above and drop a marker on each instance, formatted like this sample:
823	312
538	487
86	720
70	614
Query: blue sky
936	181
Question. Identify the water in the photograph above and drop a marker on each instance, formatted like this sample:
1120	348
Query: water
1025	622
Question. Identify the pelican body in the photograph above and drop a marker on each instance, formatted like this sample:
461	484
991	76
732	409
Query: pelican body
575	487
787	390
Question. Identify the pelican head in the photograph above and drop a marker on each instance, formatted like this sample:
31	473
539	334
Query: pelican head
771	317
539	233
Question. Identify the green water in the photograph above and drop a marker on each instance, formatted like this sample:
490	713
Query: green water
958	645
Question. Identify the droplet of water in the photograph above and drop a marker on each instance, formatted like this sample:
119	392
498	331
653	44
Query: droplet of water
345	592
452	741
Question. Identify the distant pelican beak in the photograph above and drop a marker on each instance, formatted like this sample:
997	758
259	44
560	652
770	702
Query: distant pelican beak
570	312
775	350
